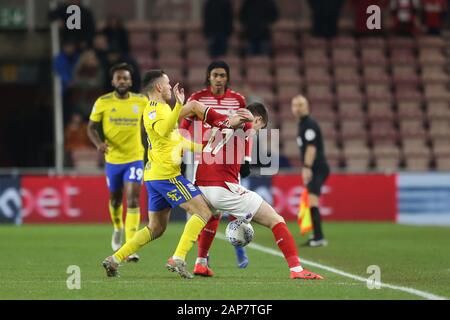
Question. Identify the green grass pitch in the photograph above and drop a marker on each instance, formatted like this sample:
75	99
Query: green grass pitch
35	258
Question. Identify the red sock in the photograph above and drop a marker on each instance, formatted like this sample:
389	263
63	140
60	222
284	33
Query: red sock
207	235
286	243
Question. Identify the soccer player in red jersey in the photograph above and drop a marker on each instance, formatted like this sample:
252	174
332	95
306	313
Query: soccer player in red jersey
217	177
226	101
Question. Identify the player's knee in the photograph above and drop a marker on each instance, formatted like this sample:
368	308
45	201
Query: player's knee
156	230
133	202
204	212
115	201
276	219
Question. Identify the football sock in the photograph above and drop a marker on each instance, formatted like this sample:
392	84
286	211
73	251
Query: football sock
317	223
116	216
190	234
141	238
132	220
207	236
286	243
202	261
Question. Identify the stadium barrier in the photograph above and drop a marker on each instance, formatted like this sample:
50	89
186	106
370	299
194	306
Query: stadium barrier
345	197
419	198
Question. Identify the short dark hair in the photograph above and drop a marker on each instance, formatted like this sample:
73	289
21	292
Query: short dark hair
259	109
121	66
214	65
150	77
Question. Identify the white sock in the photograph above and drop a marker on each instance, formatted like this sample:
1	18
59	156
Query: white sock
115	259
177	258
296	269
202	261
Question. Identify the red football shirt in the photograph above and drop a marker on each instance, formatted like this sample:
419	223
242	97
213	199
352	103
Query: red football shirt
222	156
225	104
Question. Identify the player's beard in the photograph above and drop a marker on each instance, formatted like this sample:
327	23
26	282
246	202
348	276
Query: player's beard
122	92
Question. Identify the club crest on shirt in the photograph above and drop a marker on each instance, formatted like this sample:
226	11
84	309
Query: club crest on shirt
152	115
135	109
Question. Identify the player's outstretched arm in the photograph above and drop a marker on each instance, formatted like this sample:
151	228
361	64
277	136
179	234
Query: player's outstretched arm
213	118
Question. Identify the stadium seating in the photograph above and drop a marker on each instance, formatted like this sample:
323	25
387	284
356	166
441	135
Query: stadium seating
382	102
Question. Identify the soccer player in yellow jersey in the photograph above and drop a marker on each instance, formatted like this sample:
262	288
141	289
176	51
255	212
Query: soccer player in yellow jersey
166	187
119	115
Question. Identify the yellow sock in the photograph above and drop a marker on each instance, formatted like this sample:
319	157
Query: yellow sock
132	220
190	234
116	216
141	238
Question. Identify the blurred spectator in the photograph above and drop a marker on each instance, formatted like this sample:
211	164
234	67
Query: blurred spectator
116	35
113	57
256	17
325	17
100	47
83	37
88	82
360	14
217	25
76	134
434	14
404	14
65	63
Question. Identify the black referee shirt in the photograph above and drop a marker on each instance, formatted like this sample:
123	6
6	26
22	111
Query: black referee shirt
309	134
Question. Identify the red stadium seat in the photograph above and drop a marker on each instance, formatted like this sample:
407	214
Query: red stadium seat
403	57
345	57
438	110
351	111
429	56
409	110
287	60
443	163
346	74
434	74
343	42
373	56
439	129
431	42
377	74
379	111
372	42
401	43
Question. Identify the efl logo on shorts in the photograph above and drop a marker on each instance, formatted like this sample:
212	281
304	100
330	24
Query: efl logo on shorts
173	195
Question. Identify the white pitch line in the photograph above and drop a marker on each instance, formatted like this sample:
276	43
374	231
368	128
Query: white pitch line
422	294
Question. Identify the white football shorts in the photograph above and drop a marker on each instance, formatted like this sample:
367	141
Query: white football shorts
237	201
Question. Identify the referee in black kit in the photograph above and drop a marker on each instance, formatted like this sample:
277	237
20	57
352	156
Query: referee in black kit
315	167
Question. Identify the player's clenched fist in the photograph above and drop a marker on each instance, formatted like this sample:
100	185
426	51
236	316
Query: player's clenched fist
103	148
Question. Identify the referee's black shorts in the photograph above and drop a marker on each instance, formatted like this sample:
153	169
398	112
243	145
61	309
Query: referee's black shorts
320	175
